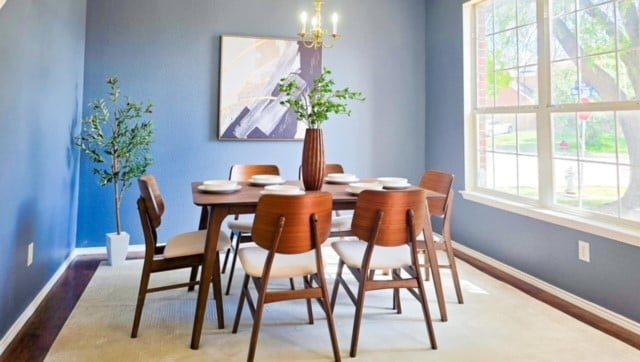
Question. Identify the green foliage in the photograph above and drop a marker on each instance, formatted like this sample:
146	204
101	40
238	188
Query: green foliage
314	108
118	141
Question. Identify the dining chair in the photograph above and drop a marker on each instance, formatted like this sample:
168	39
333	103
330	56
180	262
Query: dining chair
386	224
441	210
340	223
289	232
241	228
181	251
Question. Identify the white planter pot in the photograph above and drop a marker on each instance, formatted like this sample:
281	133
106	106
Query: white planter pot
117	246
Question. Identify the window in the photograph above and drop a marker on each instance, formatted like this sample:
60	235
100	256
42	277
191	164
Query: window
553	100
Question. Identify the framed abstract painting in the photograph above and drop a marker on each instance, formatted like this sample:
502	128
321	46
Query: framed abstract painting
250	71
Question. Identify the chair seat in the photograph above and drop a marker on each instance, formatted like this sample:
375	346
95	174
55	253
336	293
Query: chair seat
243	226
284	265
352	253
192	243
341	223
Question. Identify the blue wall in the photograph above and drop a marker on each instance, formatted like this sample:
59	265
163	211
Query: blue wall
546	251
41	72
168	52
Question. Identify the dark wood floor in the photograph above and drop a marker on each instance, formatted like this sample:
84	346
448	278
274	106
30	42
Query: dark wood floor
37	336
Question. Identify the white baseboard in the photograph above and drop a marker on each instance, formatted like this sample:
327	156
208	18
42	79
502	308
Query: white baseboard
611	316
31	308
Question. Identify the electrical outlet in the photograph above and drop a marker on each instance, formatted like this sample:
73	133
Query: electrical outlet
583	251
30	254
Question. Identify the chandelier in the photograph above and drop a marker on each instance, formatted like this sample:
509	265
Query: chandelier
315	37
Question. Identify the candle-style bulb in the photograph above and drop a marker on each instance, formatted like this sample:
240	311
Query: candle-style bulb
303	19
334	20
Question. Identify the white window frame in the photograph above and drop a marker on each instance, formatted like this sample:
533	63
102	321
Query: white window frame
542	209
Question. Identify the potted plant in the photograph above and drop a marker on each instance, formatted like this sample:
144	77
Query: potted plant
117	138
313	108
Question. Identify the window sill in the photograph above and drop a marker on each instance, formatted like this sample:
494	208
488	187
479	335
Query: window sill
623	234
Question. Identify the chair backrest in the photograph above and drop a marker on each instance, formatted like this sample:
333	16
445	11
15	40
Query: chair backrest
150	209
292	221
441	182
328	168
388	216
245	172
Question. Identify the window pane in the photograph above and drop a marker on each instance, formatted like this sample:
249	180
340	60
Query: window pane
526	12
598	190
485	66
528	176
562	6
506	176
506	49
565	137
502	130
528	85
505	14
629	69
527	135
596	30
630	202
506	82
565	176
564	83
527	45
564	37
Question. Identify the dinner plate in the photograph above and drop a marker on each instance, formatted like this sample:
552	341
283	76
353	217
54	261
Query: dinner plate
264	180
341	181
396	187
287	193
214	190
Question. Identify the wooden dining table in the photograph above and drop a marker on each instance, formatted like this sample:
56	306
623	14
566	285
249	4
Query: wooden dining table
215	207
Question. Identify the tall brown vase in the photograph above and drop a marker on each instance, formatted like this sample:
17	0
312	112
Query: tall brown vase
313	159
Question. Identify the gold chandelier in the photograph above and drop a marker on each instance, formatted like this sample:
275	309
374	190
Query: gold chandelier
315	38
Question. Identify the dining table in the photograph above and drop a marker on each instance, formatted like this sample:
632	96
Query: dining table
215	207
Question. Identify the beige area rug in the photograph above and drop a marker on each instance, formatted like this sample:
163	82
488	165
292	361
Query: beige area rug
496	323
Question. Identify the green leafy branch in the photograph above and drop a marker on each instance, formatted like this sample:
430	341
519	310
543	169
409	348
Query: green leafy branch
313	108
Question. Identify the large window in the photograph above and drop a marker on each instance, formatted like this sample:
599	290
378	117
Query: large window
554	105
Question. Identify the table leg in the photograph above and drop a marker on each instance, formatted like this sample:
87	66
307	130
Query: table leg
211	268
435	272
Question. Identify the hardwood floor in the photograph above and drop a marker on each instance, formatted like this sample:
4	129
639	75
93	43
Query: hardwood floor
37	336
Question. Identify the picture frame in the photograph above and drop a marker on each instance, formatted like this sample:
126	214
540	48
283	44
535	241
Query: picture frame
249	98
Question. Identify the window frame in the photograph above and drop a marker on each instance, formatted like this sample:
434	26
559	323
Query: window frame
543	208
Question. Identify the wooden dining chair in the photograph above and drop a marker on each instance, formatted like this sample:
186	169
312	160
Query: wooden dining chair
341	222
289	232
181	251
386	224
441	210
241	228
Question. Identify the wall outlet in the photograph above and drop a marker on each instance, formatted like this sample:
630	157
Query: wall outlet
583	251
30	254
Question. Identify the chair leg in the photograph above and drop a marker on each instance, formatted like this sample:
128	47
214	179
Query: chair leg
233	262
329	314
454	270
243	297
425	311
142	293
336	284
307	284
193	277
217	292
257	322
226	254
357	320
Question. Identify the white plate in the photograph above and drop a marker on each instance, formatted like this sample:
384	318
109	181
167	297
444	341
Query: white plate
341	181
396	187
357	187
288	193
215	190
220	184
393	181
263	180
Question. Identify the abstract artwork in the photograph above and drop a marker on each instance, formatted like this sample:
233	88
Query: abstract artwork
250	70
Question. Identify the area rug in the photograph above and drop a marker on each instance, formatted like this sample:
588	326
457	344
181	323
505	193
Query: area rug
496	323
